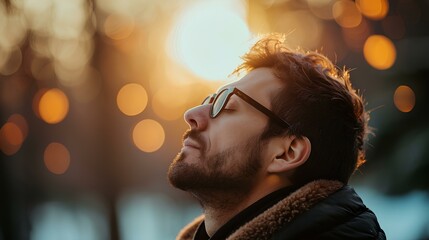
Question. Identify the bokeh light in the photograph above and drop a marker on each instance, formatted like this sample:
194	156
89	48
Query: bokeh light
118	27
346	14
69	19
36	101
132	99
20	121
12	61
13	27
72	55
404	98
379	52
148	135
11	138
373	9
56	158
53	106
210	54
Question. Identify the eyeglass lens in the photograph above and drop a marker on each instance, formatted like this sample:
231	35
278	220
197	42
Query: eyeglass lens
219	103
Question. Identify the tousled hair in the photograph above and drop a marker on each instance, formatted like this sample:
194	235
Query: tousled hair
319	102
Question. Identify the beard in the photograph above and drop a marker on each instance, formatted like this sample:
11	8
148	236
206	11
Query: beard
212	174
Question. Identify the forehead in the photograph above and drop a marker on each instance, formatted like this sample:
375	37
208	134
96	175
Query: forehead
260	84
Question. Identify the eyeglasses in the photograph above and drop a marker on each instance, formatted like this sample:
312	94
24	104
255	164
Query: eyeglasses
219	101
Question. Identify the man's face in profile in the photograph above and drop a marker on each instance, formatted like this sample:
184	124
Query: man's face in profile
225	152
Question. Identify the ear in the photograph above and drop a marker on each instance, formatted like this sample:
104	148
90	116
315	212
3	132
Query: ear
289	153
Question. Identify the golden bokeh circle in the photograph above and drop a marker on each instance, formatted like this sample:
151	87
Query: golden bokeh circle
56	158
346	14
11	138
404	98
373	9
380	52
132	99
148	135
53	106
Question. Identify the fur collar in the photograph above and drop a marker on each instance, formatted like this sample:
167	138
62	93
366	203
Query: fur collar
263	226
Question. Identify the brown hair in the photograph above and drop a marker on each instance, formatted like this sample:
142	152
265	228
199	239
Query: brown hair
319	103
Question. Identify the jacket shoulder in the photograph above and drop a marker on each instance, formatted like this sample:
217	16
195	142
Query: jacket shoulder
188	232
342	215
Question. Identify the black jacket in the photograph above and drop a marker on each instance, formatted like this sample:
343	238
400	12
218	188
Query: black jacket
342	215
319	210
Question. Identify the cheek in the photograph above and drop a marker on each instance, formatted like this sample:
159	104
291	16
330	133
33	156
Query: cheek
234	133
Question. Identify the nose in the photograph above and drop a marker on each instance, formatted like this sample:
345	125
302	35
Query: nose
197	118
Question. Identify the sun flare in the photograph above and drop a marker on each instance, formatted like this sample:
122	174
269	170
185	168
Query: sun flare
209	37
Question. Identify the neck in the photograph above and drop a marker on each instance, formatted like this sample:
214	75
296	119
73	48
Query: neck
219	207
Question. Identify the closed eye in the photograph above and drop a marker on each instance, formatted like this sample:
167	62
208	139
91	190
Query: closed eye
231	106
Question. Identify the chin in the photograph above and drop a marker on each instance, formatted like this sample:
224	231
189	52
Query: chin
187	157
177	173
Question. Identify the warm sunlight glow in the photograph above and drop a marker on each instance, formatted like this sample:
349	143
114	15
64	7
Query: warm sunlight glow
53	106
346	14
148	135
169	103
209	37
132	99
11	138
57	158
321	8
373	9
304	30
404	98
379	52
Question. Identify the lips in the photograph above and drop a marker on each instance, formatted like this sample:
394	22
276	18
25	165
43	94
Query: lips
190	143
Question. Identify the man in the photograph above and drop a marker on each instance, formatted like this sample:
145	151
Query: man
269	156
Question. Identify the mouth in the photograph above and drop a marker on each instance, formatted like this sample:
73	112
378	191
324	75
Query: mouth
190	143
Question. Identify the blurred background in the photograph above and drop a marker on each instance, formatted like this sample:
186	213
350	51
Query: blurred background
92	94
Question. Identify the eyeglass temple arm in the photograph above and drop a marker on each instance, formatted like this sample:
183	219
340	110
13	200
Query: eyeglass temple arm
260	107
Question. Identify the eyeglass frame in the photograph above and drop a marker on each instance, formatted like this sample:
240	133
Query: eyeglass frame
233	90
